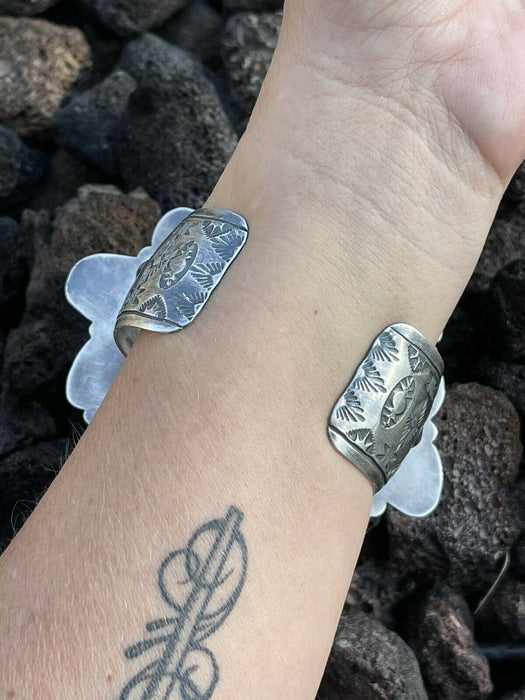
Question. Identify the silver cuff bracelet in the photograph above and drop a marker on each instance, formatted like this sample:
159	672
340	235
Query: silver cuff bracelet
172	287
381	414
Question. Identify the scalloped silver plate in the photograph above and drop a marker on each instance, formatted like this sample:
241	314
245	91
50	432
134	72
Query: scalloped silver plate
97	286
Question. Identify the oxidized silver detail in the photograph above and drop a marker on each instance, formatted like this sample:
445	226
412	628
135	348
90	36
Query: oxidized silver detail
172	287
381	414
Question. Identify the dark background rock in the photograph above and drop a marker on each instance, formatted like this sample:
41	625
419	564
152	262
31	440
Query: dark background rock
88	124
248	44
506	312
40	350
21	169
25	7
14	272
370	662
504	376
39	62
128	17
174	137
502	619
465	538
197	29
440	631
10	161
253	5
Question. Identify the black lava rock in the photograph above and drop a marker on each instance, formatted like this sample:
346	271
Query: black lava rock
21	170
196	29
459	348
40	63
24	476
506	377
440	632
252	5
25	7
502	619
506	313
39	352
465	538
174	137
370	662
87	125
14	271
249	41
128	17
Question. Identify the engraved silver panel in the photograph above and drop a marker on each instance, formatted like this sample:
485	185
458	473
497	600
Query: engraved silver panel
381	414
172	287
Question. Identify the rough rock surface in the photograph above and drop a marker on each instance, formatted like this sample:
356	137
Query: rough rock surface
174	137
503	617
25	7
21	169
24	476
66	173
464	539
376	589
458	347
506	377
39	61
88	124
197	29
370	662
504	244
39	352
253	5
440	633
506	312
14	271
128	17
249	41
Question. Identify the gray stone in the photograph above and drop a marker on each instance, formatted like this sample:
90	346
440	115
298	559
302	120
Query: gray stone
39	61
128	17
249	41
174	136
39	352
196	29
25	7
87	125
369	662
440	632
475	523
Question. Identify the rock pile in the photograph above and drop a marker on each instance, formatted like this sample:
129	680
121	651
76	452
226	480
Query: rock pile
113	111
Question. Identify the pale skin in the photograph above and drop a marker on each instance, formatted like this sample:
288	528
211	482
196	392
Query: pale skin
370	172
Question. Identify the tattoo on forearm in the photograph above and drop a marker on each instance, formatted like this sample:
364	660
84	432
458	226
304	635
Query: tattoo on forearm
201	584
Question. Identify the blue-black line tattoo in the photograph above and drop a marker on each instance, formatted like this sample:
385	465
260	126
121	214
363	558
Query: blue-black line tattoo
201	584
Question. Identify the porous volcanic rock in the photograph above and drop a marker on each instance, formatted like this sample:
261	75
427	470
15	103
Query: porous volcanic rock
174	136
198	29
14	270
39	62
252	5
249	41
440	631
128	17
39	352
475	523
370	662
25	7
507	377
21	169
88	124
503	617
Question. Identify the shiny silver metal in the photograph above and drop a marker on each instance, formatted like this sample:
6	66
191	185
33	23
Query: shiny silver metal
381	414
172	287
